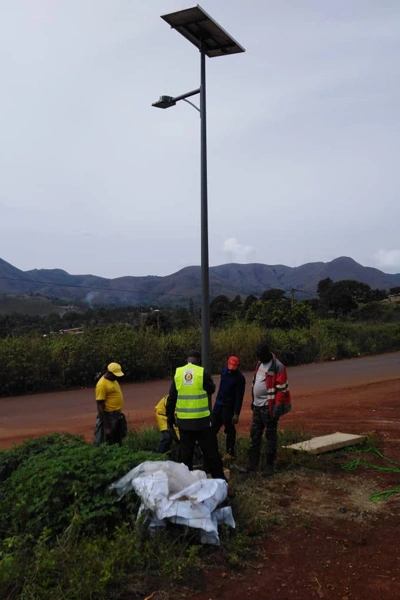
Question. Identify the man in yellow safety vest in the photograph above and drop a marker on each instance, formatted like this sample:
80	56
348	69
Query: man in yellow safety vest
189	407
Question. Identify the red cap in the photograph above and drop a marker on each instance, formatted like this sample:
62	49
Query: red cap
233	362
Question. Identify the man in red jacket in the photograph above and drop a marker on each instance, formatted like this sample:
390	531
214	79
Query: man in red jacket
270	400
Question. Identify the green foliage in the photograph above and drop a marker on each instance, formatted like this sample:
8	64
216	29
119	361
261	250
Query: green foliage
279	313
144	439
248	302
341	297
240	339
82	544
32	364
236	306
376	312
65	534
353	339
50	485
11	459
293	347
97	566
220	309
274	294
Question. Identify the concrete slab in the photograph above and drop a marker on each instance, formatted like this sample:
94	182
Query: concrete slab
326	443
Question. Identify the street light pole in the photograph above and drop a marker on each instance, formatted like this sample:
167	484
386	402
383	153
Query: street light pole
205	278
209	37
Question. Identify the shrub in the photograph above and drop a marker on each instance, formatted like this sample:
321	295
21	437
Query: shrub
32	363
65	481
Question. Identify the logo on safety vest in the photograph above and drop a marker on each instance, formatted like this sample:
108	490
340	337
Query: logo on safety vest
188	377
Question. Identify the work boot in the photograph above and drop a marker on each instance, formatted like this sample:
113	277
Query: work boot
268	470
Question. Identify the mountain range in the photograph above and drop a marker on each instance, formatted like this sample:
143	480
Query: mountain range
176	289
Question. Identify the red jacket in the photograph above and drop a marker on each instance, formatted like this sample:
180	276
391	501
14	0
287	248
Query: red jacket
278	394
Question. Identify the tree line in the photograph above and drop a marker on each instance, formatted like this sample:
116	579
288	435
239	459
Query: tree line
345	299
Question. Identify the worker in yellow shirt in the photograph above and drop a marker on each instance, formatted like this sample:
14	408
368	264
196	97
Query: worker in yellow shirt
167	436
111	423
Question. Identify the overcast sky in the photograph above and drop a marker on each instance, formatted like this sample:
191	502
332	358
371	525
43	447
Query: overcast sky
303	135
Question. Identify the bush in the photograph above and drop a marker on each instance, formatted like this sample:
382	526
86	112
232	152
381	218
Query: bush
33	364
50	484
65	534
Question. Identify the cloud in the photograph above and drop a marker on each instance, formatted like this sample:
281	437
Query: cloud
388	259
237	251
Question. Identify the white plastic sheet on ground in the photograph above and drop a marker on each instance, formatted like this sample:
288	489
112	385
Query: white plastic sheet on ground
170	492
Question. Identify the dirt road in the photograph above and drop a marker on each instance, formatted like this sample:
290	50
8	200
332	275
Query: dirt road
358	395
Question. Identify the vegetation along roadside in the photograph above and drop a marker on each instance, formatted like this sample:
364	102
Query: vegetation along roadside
64	534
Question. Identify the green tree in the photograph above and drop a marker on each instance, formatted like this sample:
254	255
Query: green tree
358	291
158	320
377	295
248	302
219	310
236	305
255	311
340	302
180	318
323	288
274	294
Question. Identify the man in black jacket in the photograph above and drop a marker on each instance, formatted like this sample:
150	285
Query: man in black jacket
228	403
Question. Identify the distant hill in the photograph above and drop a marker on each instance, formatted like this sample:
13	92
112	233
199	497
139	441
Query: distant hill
230	279
24	304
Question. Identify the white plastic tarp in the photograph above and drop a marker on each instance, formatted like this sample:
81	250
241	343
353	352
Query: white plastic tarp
170	492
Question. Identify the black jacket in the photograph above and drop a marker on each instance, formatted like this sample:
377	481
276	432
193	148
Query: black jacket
231	391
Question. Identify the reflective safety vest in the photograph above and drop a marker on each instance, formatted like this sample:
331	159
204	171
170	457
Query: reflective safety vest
192	400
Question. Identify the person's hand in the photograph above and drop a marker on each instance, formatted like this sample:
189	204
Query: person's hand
277	411
171	422
107	430
235	419
174	435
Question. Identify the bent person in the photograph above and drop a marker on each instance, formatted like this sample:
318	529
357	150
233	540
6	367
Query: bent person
167	436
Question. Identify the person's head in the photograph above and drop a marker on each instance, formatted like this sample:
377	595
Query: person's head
194	356
114	371
233	363
263	352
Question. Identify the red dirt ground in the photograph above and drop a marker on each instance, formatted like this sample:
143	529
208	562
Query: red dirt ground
333	542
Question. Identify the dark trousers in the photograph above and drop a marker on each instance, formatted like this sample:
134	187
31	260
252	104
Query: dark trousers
223	417
169	444
262	421
116	434
207	441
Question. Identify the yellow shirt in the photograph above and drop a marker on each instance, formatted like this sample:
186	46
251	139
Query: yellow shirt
110	392
161	415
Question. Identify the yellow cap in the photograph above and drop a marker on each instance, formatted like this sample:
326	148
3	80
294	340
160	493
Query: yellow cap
115	369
